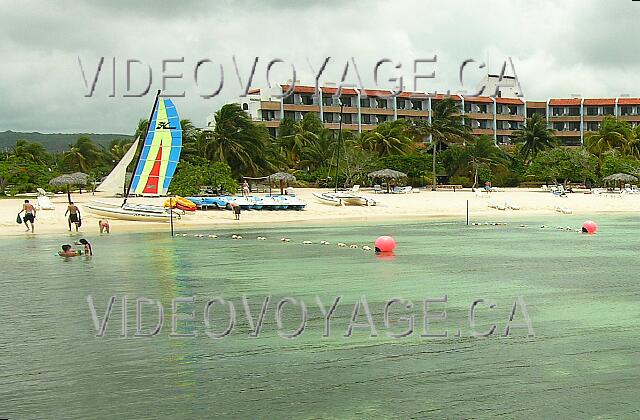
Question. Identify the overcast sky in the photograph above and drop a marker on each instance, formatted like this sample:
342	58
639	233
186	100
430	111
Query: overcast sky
558	48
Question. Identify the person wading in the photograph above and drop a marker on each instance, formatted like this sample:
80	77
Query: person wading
29	215
74	215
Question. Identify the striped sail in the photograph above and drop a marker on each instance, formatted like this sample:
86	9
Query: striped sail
160	153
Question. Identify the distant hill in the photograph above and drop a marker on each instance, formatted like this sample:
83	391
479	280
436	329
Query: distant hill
56	142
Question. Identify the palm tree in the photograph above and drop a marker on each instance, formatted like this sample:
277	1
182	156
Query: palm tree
318	153
82	155
31	152
75	160
534	137
483	152
190	136
446	128
633	146
118	148
612	134
295	136
238	141
141	129
389	138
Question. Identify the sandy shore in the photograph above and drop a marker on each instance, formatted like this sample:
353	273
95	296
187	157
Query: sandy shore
390	207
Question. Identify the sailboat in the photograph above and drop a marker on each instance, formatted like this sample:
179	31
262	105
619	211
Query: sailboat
342	198
154	170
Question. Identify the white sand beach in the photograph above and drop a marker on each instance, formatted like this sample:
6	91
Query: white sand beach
390	207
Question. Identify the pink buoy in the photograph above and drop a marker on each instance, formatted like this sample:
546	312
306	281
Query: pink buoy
590	227
385	244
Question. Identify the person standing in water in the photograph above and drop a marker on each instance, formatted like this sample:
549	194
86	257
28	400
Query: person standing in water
29	215
104	225
74	215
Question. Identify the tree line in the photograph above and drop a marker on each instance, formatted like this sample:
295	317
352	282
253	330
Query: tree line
442	150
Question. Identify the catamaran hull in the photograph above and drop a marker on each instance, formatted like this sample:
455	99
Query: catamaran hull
131	214
344	200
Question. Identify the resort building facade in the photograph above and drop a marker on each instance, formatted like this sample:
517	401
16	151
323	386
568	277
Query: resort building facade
498	117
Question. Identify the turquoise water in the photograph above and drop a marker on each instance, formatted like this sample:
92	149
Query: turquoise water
580	294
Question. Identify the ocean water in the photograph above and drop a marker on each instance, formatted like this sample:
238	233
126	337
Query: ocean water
578	295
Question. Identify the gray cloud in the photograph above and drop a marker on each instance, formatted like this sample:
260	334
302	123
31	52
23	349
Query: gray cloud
558	48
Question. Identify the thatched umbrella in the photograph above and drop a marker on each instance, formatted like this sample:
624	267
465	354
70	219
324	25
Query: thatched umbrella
387	174
282	177
619	178
76	178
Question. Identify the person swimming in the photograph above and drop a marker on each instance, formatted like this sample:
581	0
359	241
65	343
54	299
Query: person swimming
87	246
68	251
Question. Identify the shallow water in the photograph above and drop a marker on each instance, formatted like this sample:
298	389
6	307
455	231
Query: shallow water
580	293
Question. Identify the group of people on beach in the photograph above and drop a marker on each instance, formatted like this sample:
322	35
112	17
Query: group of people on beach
73	217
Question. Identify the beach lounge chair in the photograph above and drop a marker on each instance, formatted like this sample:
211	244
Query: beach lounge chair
377	188
44	203
355	188
510	205
402	190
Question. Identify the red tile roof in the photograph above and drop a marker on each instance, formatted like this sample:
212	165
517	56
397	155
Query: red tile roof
478	99
599	101
376	92
300	89
628	101
440	96
333	90
565	102
509	101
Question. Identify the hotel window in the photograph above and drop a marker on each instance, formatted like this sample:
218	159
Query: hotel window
484	124
607	110
306	99
347	119
366	119
574	111
467	107
625	110
574	126
364	103
288	99
327	99
268	115
400	103
498	109
592	110
327	117
382	103
381	118
482	108
346	100
416	105
513	110
290	115
593	126
558	111
513	125
558	126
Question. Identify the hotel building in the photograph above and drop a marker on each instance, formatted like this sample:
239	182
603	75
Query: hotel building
498	117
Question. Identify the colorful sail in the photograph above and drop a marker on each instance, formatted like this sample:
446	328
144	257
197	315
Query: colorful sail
160	153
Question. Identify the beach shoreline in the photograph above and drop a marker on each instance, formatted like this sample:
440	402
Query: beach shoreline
391	208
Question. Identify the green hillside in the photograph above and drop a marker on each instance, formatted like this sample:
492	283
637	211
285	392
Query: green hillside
55	142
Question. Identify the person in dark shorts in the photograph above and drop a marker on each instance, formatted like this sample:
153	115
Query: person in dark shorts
74	215
236	211
29	215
